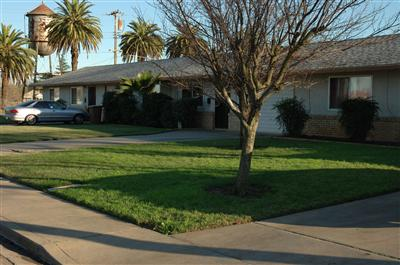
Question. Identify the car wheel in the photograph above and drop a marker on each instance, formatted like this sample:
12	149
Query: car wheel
78	119
31	119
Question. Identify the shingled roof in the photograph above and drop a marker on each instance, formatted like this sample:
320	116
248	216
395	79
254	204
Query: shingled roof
112	74
353	55
376	53
42	9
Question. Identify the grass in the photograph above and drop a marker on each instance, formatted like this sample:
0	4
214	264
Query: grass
163	186
3	120
23	133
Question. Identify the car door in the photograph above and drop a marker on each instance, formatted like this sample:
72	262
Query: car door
44	112
60	112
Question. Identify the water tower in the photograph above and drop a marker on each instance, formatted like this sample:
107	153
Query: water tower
39	18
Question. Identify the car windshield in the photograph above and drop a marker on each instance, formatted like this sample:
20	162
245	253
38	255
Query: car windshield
26	103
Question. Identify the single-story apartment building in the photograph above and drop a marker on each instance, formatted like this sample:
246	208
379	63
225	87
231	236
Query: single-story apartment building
369	70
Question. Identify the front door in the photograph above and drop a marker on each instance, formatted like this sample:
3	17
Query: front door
221	115
92	96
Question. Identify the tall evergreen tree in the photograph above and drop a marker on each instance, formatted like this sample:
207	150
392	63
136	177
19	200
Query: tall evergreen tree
62	64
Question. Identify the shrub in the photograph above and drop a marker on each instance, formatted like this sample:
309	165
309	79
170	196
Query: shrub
156	110
110	104
292	116
186	110
169	117
357	116
119	107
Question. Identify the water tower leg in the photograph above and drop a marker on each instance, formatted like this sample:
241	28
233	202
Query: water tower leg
51	69
36	73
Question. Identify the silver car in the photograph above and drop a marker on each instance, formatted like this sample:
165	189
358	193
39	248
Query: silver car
32	112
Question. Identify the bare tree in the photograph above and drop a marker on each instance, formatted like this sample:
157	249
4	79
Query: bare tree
253	46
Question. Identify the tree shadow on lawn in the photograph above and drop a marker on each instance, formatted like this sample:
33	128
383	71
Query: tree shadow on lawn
335	151
282	149
291	191
103	128
24	136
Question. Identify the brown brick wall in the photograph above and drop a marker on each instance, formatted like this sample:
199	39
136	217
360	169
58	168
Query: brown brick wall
326	126
205	120
234	124
386	129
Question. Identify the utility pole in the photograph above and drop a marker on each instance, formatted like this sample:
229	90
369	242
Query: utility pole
115	14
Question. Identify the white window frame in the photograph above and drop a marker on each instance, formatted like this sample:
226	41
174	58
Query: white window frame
76	95
346	76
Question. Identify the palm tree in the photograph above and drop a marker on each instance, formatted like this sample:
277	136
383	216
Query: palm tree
144	83
74	28
142	42
183	43
16	61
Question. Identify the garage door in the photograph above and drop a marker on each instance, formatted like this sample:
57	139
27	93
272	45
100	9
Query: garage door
268	114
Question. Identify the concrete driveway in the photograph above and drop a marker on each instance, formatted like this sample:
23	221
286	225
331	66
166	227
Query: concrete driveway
172	136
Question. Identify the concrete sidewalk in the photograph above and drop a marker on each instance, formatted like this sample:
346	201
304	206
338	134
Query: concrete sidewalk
172	136
360	232
64	233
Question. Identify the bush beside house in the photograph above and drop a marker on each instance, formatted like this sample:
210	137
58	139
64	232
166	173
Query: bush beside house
357	117
119	107
292	116
157	110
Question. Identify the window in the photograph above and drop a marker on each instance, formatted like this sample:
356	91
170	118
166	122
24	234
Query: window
56	105
51	91
74	95
42	105
197	94
342	88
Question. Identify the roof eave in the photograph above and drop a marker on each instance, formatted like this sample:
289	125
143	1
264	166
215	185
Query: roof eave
113	82
348	69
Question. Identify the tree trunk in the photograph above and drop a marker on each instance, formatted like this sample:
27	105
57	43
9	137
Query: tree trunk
241	136
74	58
247	145
23	89
4	87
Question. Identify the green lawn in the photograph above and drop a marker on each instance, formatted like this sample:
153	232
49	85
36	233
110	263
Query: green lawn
163	186
3	120
24	133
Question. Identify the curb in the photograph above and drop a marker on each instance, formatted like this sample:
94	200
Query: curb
32	248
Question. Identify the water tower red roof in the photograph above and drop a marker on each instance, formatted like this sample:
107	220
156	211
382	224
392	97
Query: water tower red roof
42	9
